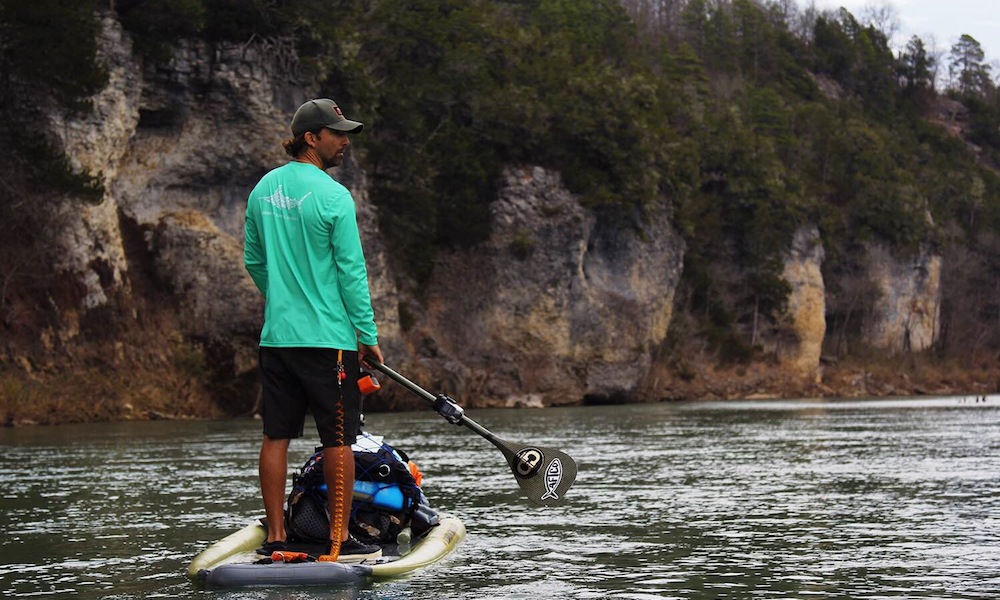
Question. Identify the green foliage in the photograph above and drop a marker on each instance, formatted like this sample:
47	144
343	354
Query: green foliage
984	124
859	59
960	191
48	60
49	46
157	24
241	20
433	162
747	209
466	88
591	29
523	244
872	186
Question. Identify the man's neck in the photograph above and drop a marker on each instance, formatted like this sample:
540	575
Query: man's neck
310	158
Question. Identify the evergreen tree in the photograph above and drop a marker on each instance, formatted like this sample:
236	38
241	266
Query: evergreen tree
915	70
969	73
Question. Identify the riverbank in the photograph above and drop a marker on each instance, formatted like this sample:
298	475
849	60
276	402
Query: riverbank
145	391
851	378
99	395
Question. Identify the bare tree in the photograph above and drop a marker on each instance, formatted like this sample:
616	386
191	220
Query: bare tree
657	18
804	21
935	53
883	16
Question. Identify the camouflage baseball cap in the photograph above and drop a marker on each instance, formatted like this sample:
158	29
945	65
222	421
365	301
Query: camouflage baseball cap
322	112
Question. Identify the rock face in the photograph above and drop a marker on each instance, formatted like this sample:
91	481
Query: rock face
557	306
176	151
907	313
95	144
800	347
201	265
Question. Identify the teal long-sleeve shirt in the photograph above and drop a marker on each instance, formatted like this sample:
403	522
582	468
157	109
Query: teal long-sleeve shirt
303	251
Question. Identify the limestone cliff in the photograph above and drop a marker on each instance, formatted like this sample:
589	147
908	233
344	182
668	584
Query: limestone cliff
906	315
557	306
176	148
801	344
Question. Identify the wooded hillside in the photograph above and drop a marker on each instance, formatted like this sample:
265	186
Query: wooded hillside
745	119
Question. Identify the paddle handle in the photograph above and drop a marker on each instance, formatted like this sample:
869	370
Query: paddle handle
416	389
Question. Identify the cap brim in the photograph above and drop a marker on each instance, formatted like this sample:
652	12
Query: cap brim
346	126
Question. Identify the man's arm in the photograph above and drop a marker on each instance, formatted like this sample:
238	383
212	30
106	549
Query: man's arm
254	258
353	274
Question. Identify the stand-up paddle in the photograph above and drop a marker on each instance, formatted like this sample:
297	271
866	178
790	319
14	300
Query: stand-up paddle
544	474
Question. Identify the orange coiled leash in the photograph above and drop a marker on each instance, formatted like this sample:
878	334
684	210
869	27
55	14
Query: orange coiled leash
337	485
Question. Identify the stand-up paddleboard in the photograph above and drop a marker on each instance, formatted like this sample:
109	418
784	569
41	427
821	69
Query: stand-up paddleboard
233	561
544	474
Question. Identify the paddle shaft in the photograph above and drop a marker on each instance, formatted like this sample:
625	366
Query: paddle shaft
431	399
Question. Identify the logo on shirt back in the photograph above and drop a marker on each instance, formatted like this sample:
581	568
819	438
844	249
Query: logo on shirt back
280	200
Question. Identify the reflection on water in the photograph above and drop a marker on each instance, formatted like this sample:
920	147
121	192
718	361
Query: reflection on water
819	499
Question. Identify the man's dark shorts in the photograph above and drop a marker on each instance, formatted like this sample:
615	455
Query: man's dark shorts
299	379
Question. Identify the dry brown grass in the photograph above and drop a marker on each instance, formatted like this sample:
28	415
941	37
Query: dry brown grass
148	371
84	395
869	376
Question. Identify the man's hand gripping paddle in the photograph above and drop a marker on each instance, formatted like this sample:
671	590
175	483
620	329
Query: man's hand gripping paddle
544	474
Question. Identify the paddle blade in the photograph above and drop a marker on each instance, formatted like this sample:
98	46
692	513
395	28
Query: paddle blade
544	474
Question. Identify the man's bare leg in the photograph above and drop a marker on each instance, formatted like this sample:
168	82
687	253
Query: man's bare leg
273	472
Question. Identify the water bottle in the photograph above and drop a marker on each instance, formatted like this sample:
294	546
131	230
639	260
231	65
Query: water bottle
403	540
385	495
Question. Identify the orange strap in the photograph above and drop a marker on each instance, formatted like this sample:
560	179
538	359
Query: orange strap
286	556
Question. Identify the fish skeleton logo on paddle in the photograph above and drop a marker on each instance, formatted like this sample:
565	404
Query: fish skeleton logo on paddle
553	477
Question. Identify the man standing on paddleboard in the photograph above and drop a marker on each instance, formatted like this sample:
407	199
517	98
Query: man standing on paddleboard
303	251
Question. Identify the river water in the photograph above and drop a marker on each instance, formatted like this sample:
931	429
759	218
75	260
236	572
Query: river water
752	499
